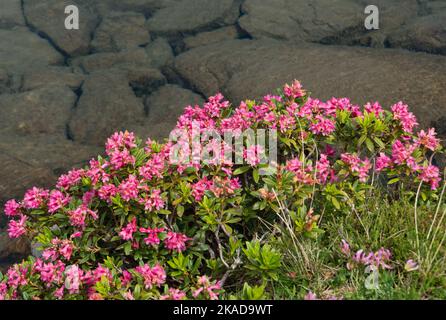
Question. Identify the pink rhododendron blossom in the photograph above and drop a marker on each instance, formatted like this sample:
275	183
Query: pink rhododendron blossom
35	197
382	162
329	151
215	105
225	186
402	153
322	126
12	208
97	171
3	290
17	228
107	191
126	278
88	197
50	273
119	159
407	119
303	173
176	241
155	276
428	139
57	201
174	294
16	277
121	140
70	179
356	165
200	187
128	231
60	248
294	90
78	216
286	123
59	293
128	189
431	175
323	169
152	235
205	287
374	108
153	201
153	168
76	234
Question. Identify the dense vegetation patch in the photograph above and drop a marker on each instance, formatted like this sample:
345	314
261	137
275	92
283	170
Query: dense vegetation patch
353	208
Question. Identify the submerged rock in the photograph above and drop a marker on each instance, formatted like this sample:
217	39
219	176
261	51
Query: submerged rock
211	37
121	31
11	14
193	15
165	106
42	111
51	76
47	17
107	104
25	50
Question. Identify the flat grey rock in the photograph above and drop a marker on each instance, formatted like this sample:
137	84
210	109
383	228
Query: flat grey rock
107	104
211	37
42	77
159	53
164	107
42	111
25	51
193	15
11	14
48	18
121	31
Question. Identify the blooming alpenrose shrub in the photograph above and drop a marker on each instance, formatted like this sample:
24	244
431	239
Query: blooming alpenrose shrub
150	220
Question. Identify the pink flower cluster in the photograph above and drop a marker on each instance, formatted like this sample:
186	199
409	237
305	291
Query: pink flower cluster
207	288
356	165
378	259
79	215
155	276
17	228
59	248
407	119
172	241
128	231
174	294
309	174
403	154
218	186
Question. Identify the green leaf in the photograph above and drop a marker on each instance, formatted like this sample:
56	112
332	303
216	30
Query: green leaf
180	211
255	175
379	142
370	145
127	248
336	203
241	170
394	180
